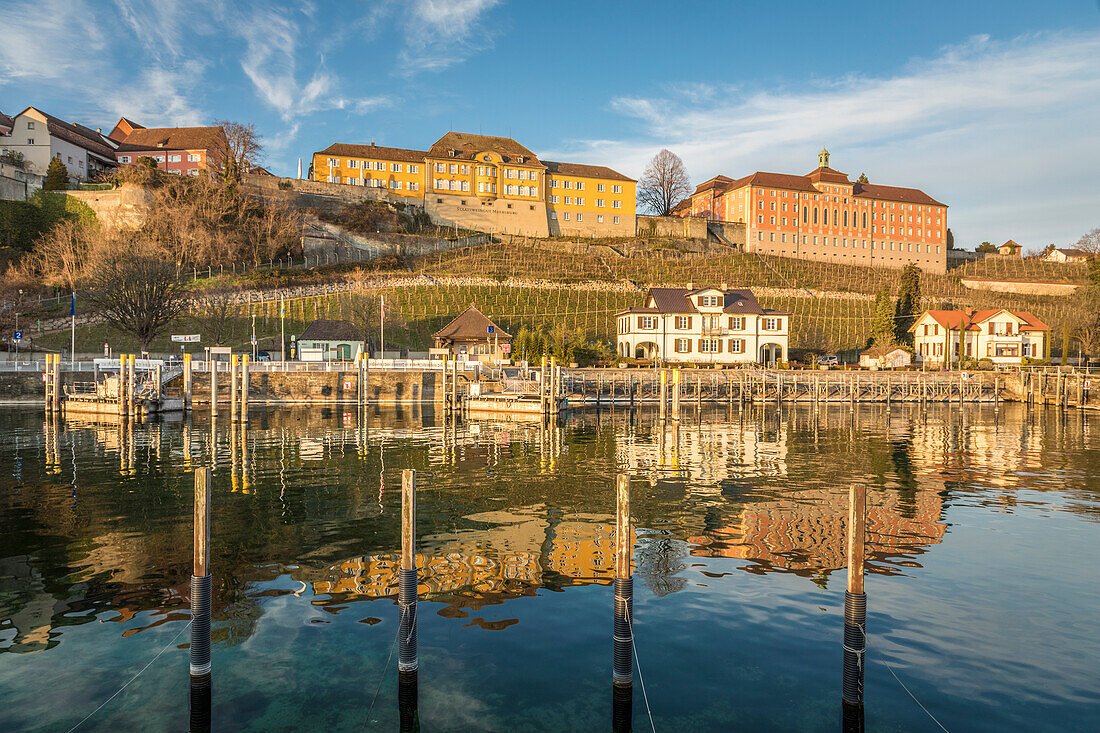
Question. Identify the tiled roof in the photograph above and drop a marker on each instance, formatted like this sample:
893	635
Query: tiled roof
719	183
469	325
893	193
677	300
349	150
1071	252
880	350
467	145
764	179
972	319
829	175
581	169
330	330
5	121
174	138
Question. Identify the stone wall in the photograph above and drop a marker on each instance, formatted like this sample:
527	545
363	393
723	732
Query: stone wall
339	191
323	387
125	207
730	232
1024	288
672	226
503	216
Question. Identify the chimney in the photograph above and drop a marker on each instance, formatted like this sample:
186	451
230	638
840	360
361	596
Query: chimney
725	287
690	286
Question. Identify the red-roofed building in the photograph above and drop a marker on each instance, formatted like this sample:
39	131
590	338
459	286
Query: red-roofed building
181	150
1005	337
824	216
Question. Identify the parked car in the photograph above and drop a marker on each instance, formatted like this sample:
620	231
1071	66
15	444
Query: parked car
828	360
263	356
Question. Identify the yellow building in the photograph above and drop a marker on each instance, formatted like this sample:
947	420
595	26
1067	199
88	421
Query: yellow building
489	184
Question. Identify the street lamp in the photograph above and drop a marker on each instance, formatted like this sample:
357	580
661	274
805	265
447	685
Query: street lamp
253	337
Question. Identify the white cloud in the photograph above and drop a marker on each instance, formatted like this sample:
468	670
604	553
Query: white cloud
441	33
1004	132
49	40
160	96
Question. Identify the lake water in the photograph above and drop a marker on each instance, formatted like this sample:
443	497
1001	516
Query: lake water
983	580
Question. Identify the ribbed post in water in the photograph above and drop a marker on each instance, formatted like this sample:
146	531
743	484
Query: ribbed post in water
622	708
200	704
200	577
406	580
407	694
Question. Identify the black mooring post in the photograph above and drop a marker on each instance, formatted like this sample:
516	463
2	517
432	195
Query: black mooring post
406	588
622	629
200	606
855	613
407	702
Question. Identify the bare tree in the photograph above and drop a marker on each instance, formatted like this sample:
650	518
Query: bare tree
220	309
243	149
136	285
1090	242
664	184
59	256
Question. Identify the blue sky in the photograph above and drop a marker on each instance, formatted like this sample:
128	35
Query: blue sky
992	108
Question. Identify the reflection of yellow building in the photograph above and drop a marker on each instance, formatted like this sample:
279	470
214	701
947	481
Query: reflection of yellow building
490	184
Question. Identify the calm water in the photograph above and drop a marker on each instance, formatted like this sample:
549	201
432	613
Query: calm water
983	585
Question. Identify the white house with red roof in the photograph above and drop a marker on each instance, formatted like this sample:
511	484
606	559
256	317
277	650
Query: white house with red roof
1004	336
703	326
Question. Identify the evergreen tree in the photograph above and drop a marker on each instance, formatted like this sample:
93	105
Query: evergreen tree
863	178
908	307
882	319
57	176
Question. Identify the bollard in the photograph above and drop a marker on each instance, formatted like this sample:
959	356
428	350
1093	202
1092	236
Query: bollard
408	716
622	628
57	389
406	589
158	375
544	400
855	601
663	398
244	388
187	381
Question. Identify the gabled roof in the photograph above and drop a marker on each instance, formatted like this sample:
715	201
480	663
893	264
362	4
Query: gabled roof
882	350
677	300
1071	252
718	183
972	320
124	127
584	170
174	138
79	135
466	145
829	175
470	325
330	330
349	150
6	122
764	179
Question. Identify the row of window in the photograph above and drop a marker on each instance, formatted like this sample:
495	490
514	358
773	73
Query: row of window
736	323
709	346
936	349
511	189
374	165
376	183
837	216
579	201
837	200
841	242
579	216
992	328
172	158
579	185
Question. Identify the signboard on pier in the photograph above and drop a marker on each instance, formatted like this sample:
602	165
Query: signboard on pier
192	338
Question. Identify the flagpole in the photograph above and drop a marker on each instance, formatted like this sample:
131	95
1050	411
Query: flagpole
382	328
282	328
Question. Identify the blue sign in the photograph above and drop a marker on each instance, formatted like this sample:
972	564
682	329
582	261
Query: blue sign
491	329
18	335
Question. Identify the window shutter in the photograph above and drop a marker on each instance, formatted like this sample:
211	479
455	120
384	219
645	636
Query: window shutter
719	341
689	322
778	324
639	321
699	347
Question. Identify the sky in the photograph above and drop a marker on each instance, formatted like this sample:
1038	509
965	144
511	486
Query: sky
990	107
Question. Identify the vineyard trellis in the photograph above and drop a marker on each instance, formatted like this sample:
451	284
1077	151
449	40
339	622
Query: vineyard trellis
549	283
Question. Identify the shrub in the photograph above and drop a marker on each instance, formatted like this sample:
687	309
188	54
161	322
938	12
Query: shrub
285	185
985	364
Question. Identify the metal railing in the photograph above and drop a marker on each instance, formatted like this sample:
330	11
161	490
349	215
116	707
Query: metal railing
385	365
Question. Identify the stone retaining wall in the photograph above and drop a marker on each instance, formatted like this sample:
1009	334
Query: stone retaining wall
323	387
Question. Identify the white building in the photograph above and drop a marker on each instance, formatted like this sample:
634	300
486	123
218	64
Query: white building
1005	337
707	325
41	137
885	357
1061	254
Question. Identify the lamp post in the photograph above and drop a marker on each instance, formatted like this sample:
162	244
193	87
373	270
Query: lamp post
253	337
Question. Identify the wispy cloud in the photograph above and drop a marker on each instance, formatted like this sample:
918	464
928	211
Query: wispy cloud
992	128
441	33
49	40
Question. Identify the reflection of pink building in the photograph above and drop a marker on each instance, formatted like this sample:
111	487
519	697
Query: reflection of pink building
184	151
807	531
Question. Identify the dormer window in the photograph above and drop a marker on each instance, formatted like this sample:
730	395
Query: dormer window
519	158
708	301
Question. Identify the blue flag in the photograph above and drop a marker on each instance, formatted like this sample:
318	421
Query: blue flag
72	306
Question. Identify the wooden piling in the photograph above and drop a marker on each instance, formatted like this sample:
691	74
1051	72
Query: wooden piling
213	364
187	376
855	600
244	388
663	392
158	375
676	393
234	365
544	398
407	580
622	628
200	577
